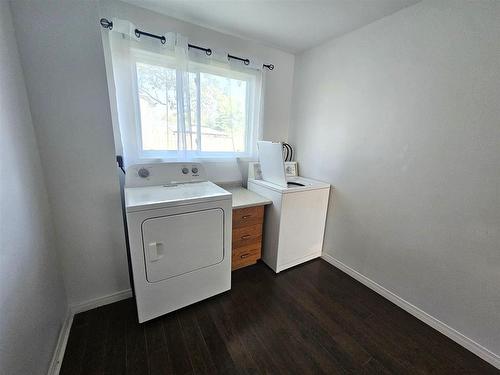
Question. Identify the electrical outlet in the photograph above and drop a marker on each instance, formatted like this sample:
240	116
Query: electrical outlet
254	171
291	169
257	171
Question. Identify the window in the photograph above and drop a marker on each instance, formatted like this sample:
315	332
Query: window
216	105
170	101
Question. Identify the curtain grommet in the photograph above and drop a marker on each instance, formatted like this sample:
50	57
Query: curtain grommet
106	23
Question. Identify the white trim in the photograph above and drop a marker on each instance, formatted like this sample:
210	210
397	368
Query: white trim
459	338
101	301
57	357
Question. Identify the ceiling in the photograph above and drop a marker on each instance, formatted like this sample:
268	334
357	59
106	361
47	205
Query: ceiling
291	25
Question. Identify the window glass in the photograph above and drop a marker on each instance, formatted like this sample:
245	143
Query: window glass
216	110
223	113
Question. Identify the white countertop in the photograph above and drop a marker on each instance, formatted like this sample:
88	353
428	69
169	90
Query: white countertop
245	198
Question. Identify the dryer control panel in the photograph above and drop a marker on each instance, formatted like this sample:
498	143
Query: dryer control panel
140	175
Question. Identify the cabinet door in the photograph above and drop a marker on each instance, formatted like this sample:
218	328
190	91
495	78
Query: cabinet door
177	244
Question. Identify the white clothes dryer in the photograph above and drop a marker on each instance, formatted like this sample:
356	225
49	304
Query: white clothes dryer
179	227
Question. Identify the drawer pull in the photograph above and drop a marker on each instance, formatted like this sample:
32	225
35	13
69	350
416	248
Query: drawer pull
246	217
243	256
246	236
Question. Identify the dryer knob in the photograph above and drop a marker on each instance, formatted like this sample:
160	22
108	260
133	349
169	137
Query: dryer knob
185	170
194	170
143	172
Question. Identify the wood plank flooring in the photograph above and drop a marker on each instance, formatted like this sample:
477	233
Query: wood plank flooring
312	319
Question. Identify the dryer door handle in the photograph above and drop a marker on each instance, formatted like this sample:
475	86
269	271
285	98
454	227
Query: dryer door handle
155	251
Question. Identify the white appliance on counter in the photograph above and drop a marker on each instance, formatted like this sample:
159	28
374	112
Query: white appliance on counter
179	227
294	225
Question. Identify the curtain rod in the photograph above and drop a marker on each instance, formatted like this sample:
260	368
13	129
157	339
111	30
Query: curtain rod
109	25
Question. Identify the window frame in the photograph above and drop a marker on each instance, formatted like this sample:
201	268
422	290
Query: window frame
166	61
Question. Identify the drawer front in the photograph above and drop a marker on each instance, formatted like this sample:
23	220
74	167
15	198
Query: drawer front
247	235
248	216
245	256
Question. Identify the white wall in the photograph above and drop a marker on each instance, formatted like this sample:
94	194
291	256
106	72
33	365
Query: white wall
32	297
62	57
402	116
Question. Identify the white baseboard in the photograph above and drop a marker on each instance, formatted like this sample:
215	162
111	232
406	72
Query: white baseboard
445	329
57	357
101	301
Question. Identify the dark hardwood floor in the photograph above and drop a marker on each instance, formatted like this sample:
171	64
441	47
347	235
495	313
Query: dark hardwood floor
312	319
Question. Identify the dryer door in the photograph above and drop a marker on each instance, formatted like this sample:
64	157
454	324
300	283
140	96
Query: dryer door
181	243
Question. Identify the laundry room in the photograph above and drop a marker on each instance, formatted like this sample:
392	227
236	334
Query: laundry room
250	187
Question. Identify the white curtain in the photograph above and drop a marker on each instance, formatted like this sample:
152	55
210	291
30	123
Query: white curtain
126	49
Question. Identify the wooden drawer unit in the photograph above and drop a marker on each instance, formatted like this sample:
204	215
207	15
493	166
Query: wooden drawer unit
247	236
